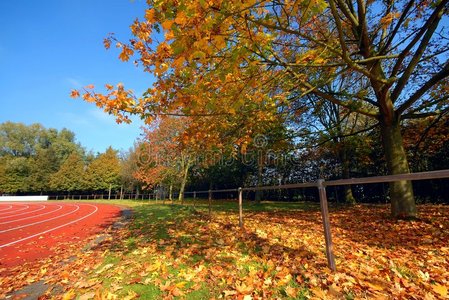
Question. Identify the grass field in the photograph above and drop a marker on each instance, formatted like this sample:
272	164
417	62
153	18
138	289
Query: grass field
172	251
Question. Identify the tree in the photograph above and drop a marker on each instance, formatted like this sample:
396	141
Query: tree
218	58
164	157
42	166
128	167
14	174
70	176
103	172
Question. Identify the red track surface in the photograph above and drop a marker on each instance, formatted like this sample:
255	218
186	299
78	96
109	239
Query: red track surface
31	231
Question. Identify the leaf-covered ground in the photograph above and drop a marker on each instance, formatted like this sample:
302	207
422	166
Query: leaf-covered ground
175	252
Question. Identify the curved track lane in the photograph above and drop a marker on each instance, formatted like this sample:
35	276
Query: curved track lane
30	231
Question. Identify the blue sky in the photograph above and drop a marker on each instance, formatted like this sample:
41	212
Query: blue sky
49	47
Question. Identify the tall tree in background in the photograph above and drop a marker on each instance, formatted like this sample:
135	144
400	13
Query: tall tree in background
223	57
70	177
30	154
128	167
43	165
103	173
14	174
164	157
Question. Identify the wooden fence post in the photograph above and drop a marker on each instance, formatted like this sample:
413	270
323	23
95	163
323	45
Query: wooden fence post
326	225
194	198
240	190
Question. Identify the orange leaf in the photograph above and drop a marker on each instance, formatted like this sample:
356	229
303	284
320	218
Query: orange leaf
74	94
440	290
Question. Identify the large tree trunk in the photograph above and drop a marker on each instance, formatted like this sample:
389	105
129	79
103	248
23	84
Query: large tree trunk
259	194
349	197
401	192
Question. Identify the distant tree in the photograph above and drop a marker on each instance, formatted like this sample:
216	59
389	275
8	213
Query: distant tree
164	157
42	166
129	166
14	174
103	172
31	154
20	140
70	176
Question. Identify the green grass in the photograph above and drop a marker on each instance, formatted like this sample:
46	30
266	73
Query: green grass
157	237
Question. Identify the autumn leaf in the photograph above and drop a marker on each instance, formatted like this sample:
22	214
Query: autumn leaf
291	291
126	53
74	94
87	296
69	295
440	290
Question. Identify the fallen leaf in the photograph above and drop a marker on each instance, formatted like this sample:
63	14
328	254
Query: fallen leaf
440	290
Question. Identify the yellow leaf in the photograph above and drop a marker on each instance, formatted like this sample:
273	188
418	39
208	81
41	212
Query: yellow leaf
106	267
319	292
229	293
440	289
181	284
291	291
69	295
111	296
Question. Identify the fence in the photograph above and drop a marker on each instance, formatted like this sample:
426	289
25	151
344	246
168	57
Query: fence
321	185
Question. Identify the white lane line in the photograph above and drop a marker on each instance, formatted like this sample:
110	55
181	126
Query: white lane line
43	221
14	211
49	230
24	213
8	208
35	216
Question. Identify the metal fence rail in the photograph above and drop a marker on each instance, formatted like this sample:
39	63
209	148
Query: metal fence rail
321	185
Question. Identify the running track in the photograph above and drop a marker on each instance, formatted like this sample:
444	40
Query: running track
31	231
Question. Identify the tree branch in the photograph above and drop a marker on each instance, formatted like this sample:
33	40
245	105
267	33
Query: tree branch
443	73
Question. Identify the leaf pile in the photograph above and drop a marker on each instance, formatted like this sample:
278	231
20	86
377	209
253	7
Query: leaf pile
175	252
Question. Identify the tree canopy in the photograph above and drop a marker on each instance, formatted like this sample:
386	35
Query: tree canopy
243	64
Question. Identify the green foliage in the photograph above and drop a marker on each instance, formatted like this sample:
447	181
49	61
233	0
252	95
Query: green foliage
42	166
31	154
103	172
70	177
13	174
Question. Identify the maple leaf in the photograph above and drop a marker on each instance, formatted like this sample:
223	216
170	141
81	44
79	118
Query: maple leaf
69	295
74	94
440	290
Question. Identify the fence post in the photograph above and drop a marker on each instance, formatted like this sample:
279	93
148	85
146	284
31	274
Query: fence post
210	203
326	225
194	198
240	190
